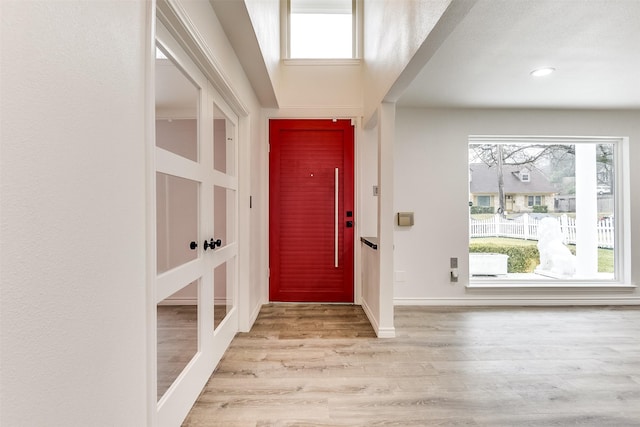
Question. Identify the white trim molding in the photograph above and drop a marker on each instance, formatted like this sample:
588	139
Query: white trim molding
380	332
522	302
349	62
172	14
179	301
320	111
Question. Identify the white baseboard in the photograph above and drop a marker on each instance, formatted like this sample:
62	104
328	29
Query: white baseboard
380	332
386	332
179	301
188	301
253	316
497	301
370	316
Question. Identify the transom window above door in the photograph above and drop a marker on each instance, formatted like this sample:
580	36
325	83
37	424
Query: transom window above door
321	29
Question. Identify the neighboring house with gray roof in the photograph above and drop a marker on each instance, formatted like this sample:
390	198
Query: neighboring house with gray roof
524	188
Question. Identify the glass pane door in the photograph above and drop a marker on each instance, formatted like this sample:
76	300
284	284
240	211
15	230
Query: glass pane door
225	209
183	218
177	335
196	228
224	154
177	221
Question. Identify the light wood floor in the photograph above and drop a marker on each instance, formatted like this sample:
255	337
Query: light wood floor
177	342
320	365
177	336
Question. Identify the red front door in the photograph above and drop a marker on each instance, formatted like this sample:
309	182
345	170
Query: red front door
311	210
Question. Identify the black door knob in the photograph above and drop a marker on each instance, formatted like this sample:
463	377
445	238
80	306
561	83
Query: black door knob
193	245
212	244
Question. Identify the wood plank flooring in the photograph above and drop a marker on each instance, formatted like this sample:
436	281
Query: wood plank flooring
177	342
320	365
177	334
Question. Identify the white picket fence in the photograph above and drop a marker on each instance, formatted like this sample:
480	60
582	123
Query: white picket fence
526	227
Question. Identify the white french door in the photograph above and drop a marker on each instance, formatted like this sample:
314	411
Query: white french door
196	227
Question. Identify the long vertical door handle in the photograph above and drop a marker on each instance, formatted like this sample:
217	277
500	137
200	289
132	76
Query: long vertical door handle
335	226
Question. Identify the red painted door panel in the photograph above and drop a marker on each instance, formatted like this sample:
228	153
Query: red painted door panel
305	263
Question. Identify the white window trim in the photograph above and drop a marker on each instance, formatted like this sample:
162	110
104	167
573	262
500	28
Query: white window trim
622	209
321	61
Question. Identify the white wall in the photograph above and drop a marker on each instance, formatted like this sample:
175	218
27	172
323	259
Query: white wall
258	156
305	85
431	179
394	31
368	178
265	17
367	259
72	166
73	176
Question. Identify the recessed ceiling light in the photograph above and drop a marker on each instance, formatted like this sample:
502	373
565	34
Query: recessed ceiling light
540	72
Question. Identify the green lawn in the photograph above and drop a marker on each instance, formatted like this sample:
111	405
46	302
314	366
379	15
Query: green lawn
605	256
504	241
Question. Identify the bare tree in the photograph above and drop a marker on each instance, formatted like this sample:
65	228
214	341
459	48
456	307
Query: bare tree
604	162
530	155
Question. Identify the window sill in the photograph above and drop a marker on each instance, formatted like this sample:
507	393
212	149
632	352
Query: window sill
321	61
596	287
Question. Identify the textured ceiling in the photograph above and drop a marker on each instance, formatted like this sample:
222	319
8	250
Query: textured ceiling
486	60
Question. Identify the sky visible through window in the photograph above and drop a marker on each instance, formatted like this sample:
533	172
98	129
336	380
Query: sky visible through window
325	36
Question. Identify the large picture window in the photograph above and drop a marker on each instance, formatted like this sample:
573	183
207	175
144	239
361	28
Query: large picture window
558	210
